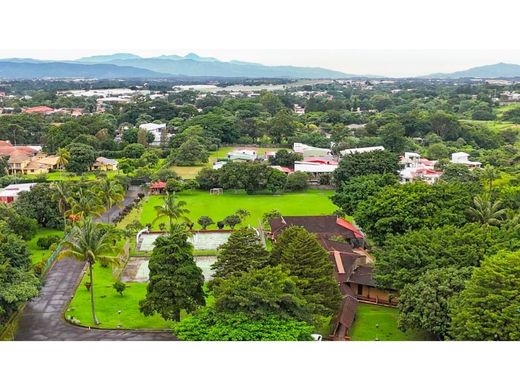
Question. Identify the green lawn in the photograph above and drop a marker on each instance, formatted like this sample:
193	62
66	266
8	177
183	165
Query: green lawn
108	302
367	316
496	126
311	202
67	176
37	254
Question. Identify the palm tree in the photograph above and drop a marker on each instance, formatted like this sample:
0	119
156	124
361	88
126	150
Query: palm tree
89	243
63	157
486	211
489	173
85	203
111	193
172	209
61	196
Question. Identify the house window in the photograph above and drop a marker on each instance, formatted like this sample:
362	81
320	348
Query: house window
359	289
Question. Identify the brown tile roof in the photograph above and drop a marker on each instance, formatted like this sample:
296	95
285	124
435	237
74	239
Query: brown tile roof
343	264
363	275
322	225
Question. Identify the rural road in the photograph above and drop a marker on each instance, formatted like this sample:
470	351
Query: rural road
42	318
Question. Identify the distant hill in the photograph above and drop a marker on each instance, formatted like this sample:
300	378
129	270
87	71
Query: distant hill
194	65
487	71
27	69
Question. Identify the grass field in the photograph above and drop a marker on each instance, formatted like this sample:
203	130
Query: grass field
67	176
37	254
311	202
364	328
191	172
496	126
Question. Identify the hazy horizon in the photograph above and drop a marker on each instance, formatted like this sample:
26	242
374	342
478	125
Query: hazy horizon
387	62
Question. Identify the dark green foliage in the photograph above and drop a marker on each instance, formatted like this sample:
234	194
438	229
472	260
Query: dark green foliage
175	280
134	150
512	115
354	191
207	325
81	158
260	293
458	173
285	158
119	287
46	241
19	224
393	137
208	178
362	164
191	152
300	253
243	252
489	306
404	258
18	282
412	206
205	221
424	304
232	220
40	204
297	181
252	177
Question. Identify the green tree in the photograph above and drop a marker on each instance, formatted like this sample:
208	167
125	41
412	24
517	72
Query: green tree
458	173
489	174
300	253
404	258
63	157
85	203
205	221
486	211
191	152
89	242
232	220
207	325
208	178
285	158
297	181
133	150
111	192
352	192
489	306
424	304
412	206
260	293
393	137
362	164
172	209
176	283
81	158
242	252
40	204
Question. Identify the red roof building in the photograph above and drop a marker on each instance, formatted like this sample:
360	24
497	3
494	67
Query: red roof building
39	110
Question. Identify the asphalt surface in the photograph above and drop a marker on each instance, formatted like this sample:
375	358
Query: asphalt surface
43	317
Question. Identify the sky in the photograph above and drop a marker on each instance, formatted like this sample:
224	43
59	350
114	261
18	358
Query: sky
379	37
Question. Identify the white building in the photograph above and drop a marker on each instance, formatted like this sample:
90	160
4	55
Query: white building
462	158
243	154
10	193
346	152
156	129
417	168
314	168
299	110
311	151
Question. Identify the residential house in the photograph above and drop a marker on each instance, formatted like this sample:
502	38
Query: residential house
311	151
462	158
105	164
157	129
242	155
417	168
315	167
346	152
158	188
299	110
10	193
39	110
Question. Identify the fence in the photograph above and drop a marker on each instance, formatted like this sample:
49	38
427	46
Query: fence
52	258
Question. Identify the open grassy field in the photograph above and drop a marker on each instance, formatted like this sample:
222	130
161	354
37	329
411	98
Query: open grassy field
191	172
496	126
311	202
67	176
37	254
365	329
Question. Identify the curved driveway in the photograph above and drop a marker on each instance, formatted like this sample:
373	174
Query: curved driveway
42	318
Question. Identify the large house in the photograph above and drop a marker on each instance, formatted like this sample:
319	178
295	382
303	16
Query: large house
352	264
105	164
417	168
27	159
157	130
462	158
242	155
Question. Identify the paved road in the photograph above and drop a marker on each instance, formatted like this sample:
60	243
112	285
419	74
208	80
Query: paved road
42	318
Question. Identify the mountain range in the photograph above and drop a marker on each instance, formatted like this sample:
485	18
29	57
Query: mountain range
127	65
487	72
